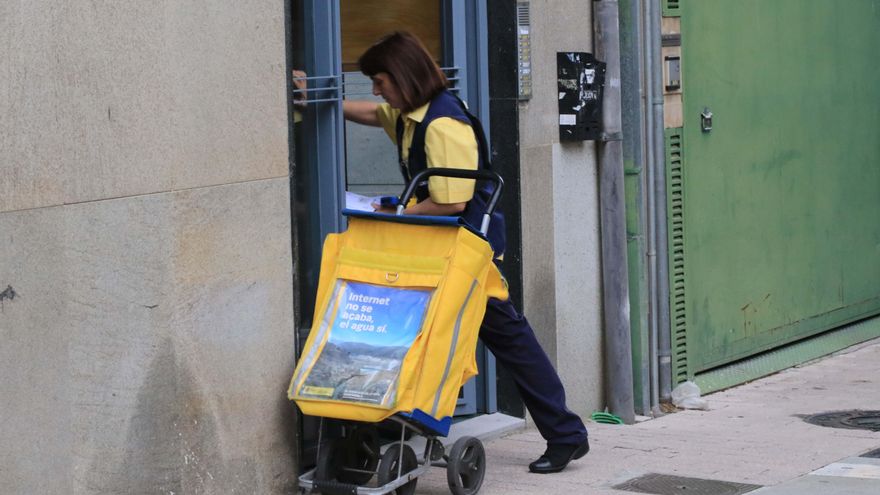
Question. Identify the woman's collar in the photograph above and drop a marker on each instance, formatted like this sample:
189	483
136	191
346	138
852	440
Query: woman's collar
418	114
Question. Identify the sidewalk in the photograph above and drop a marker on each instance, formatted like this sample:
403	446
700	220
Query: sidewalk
752	434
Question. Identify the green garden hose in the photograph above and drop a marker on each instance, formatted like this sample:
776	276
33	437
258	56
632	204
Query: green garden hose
606	418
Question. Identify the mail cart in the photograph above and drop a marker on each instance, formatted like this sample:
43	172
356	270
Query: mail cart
397	316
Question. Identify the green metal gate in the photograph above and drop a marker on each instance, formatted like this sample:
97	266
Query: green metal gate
774	212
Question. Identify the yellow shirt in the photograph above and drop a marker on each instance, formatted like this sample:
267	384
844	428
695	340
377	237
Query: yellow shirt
449	143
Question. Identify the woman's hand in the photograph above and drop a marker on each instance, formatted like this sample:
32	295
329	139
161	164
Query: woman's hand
300	83
384	209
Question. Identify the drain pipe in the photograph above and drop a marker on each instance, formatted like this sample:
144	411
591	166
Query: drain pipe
658	261
632	67
612	220
650	201
664	337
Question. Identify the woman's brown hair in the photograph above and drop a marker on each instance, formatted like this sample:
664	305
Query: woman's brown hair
406	60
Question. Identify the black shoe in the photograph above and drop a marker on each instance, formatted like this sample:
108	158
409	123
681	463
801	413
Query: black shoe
557	456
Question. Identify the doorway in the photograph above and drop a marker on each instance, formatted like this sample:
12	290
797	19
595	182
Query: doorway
332	156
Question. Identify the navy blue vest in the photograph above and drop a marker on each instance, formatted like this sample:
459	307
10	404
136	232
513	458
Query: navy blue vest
447	104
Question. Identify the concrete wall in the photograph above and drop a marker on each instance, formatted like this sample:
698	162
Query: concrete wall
560	213
146	327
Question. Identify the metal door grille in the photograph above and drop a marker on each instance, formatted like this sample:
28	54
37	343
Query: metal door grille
675	211
334	88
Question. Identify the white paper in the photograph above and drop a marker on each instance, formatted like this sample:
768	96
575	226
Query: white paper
359	202
567	119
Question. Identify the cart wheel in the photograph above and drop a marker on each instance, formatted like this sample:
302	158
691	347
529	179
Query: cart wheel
329	457
361	453
466	466
388	467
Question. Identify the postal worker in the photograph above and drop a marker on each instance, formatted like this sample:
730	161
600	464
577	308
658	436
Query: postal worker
431	127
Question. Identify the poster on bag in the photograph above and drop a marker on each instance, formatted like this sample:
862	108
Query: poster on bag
371	329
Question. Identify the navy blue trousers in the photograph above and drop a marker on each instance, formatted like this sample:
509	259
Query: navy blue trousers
511	339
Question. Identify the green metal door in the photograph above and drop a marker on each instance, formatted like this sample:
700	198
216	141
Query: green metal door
775	211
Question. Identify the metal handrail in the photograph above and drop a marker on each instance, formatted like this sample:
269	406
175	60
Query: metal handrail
339	85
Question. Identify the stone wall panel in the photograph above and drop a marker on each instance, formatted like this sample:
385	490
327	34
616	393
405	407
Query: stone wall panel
104	100
150	341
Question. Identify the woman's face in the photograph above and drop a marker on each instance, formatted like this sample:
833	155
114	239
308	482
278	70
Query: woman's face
384	86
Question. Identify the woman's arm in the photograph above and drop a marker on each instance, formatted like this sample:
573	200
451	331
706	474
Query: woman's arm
362	112
427	207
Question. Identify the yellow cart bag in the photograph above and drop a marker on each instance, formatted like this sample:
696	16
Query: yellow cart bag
398	311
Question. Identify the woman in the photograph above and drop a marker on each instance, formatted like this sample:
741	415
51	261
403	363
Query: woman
432	128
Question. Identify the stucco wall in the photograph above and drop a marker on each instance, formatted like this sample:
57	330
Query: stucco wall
560	213
145	235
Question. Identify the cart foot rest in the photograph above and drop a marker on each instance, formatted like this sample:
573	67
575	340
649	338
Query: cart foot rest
333	487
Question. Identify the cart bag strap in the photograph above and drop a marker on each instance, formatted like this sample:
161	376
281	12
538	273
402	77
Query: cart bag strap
449	105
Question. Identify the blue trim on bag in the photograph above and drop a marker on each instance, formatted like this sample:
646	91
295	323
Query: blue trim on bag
437	426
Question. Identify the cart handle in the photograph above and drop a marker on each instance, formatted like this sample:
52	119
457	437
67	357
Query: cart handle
457	173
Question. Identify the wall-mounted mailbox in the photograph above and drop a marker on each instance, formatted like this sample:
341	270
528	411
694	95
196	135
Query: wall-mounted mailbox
581	79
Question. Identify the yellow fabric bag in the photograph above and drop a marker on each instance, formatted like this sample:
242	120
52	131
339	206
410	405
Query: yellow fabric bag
396	321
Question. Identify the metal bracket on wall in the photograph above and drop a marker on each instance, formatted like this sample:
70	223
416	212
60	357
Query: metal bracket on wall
671	8
706	120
